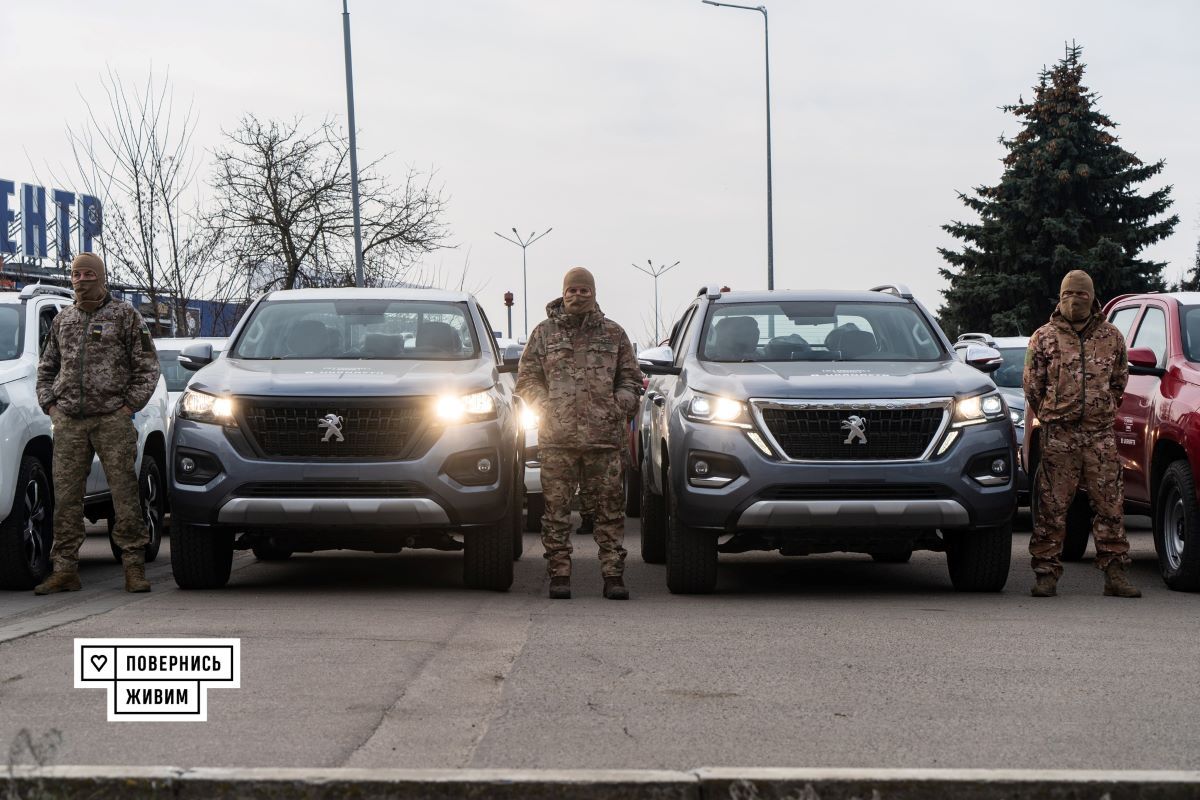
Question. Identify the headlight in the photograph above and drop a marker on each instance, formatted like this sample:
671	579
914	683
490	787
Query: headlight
452	409
1017	417
977	409
529	419
717	410
201	407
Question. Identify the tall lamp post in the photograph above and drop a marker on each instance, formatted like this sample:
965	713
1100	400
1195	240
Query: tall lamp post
524	244
655	272
359	279
770	209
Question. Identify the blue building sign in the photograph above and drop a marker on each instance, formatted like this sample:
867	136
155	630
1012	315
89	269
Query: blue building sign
37	217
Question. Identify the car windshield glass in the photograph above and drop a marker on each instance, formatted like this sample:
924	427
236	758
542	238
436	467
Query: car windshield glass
1189	324
810	330
10	332
1010	372
358	328
173	372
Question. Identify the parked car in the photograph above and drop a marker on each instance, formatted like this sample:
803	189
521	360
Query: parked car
1008	379
26	446
810	422
535	503
1157	431
324	427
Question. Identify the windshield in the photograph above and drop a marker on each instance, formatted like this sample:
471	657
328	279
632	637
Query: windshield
173	372
810	330
1011	371
353	328
1189	324
10	332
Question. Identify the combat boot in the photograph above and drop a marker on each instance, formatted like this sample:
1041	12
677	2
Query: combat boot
1116	584
59	581
614	588
135	577
1046	586
560	587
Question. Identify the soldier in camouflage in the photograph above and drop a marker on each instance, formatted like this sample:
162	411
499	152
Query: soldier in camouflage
580	372
1076	369
97	369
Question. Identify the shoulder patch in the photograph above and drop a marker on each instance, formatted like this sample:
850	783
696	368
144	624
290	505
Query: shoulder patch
144	334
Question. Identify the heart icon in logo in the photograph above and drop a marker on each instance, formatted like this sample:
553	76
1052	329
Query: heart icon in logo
98	662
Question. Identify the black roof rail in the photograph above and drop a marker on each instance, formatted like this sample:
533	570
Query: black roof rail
898	289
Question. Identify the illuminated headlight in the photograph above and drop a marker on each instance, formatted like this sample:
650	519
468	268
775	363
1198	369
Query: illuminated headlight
451	409
201	407
717	410
1017	417
529	419
977	409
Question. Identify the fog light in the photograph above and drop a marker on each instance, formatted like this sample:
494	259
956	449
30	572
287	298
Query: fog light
484	465
700	468
999	467
187	465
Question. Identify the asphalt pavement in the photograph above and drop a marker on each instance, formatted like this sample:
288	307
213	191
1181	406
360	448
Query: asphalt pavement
364	660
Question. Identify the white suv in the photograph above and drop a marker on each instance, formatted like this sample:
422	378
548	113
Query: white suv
26	494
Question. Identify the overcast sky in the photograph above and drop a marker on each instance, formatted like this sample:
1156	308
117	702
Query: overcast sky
636	127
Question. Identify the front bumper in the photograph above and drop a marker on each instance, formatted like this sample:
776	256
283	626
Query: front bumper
252	492
773	495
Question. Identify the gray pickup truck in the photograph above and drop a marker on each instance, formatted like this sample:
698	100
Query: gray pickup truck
813	422
362	419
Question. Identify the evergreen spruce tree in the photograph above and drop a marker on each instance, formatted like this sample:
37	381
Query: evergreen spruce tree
1191	281
1067	200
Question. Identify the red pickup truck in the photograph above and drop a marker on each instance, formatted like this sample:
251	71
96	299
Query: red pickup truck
1157	429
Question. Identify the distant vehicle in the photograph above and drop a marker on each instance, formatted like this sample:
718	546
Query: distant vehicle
323	426
812	422
535	503
1157	429
1007	377
26	446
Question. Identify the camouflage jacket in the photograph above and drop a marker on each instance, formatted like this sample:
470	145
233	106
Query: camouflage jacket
571	371
1076	377
94	363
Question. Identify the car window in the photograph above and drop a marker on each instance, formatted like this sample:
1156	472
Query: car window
1123	318
1152	333
173	372
813	330
681	334
1189	323
358	328
10	332
1011	372
45	320
488	327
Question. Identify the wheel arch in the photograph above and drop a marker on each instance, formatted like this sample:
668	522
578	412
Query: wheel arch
1166	452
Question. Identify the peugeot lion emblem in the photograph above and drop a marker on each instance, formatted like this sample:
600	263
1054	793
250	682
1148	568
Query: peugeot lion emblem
332	425
857	427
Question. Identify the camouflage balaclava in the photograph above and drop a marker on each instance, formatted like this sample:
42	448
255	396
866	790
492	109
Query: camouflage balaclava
575	304
89	294
1076	310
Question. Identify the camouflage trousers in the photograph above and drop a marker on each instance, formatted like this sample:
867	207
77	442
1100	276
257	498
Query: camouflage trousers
1074	459
76	440
598	473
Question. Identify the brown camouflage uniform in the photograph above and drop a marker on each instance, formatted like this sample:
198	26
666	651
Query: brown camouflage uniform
571	371
1074	381
94	364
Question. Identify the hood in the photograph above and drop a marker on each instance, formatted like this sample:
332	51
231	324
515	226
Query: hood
1014	397
350	378
12	370
836	380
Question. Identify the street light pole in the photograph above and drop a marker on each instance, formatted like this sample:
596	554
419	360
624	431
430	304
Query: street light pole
770	204
655	273
524	244
359	278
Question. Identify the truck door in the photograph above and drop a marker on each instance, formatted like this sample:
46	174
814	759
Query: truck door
1133	418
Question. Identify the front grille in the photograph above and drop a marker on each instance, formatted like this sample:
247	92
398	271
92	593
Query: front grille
340	489
857	491
293	428
817	434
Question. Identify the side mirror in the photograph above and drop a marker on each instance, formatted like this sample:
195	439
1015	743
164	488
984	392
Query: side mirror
658	361
1142	361
983	358
196	356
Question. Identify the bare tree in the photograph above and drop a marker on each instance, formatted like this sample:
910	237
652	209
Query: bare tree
283	197
138	158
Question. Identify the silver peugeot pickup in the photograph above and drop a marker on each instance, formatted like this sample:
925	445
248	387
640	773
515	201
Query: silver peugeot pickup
362	419
814	422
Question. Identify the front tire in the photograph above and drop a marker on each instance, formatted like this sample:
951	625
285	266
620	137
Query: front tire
691	557
488	557
1176	522
979	560
201	558
27	535
153	500
653	526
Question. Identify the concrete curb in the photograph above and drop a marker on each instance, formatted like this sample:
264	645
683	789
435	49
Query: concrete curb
168	783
